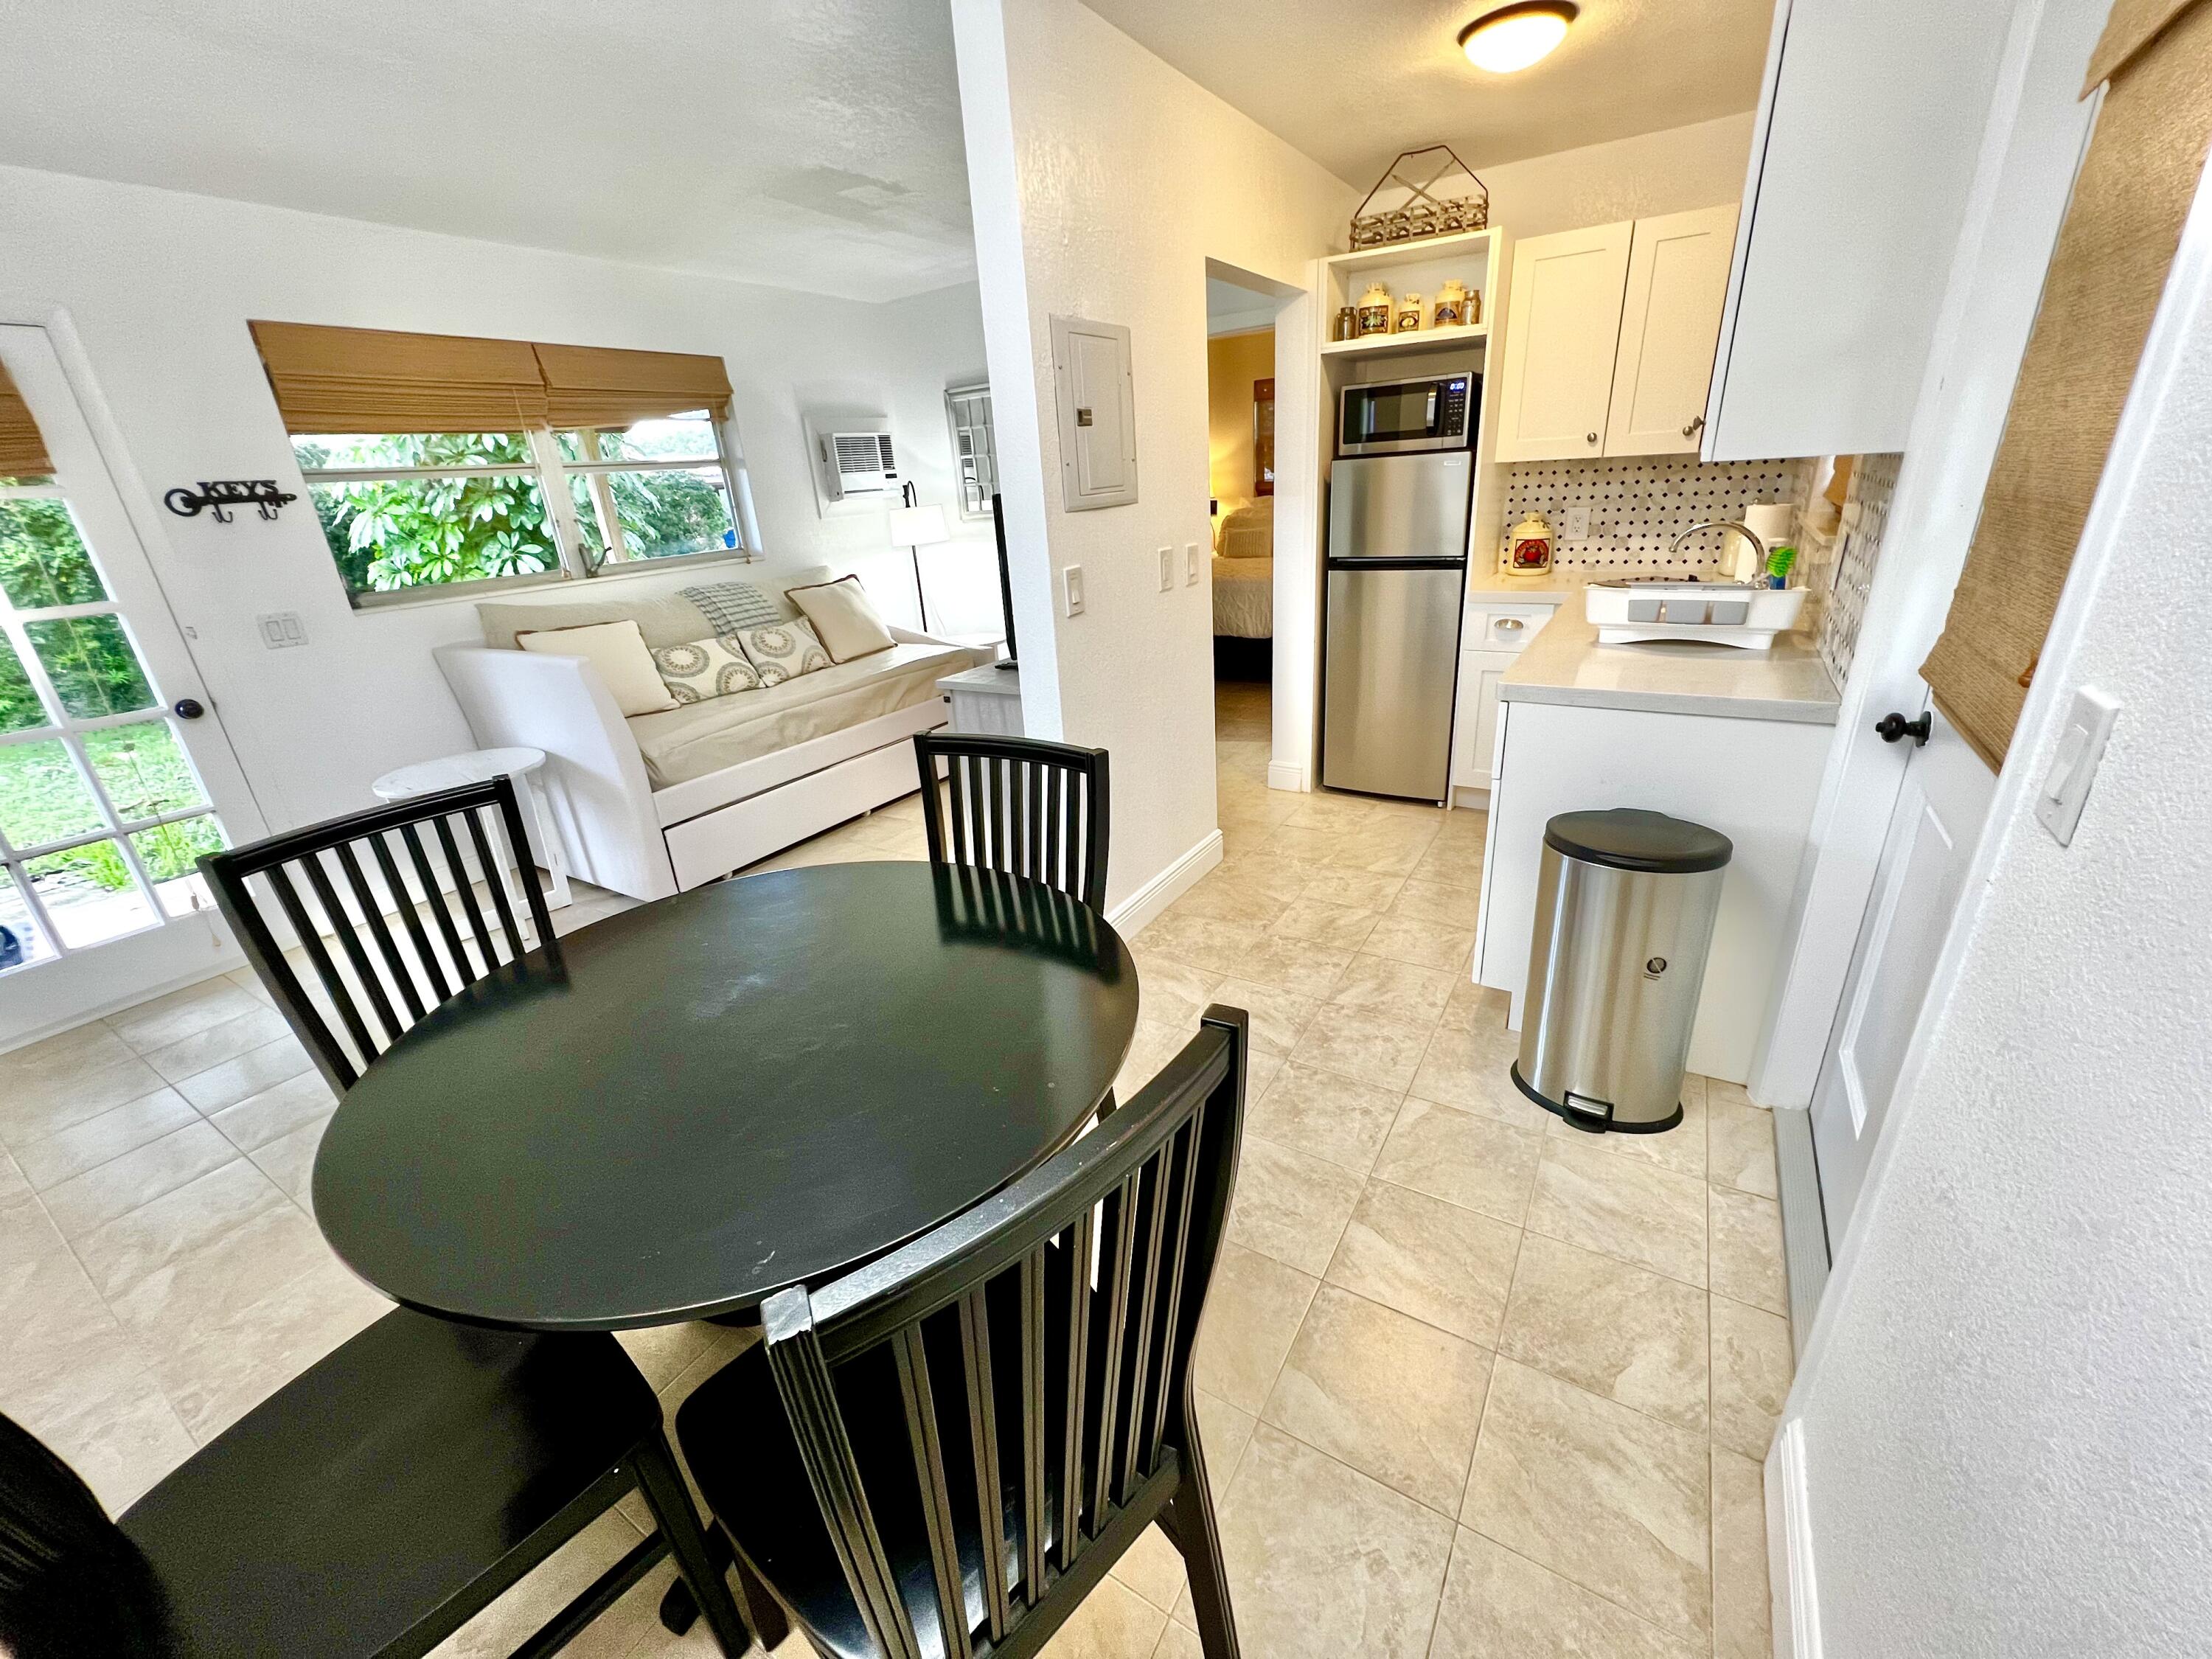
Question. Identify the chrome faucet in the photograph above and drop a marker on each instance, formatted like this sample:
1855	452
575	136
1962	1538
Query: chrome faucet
1736	525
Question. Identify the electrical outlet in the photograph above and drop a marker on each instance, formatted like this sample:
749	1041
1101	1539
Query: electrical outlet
1070	590
1190	564
1167	568
1577	528
280	629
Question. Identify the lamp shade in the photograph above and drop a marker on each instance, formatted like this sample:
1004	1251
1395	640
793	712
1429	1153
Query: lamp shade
918	526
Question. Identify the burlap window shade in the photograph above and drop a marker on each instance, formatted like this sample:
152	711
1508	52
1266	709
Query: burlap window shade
2122	227
360	379
22	451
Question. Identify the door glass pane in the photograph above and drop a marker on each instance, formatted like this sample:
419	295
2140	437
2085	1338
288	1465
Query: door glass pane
143	769
20	709
665	515
21	941
171	853
91	662
89	894
42	561
43	797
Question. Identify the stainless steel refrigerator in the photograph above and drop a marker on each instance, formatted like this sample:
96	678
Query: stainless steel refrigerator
1397	572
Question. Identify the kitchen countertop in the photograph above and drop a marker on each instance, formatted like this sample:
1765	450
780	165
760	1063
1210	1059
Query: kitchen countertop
1566	664
1493	585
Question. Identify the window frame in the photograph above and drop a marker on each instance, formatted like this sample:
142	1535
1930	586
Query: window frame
552	473
962	425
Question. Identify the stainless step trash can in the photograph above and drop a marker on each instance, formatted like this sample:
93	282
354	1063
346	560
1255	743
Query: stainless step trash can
1625	908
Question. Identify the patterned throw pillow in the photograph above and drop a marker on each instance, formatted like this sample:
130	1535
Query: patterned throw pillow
731	607
704	669
782	650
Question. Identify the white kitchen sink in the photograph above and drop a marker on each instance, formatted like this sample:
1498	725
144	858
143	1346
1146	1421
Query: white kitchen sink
1718	613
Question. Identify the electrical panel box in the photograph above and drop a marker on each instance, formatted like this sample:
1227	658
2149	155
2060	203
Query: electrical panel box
1096	395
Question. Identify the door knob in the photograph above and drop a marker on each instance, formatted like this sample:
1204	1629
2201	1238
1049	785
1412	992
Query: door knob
187	709
1589	437
1894	728
1696	426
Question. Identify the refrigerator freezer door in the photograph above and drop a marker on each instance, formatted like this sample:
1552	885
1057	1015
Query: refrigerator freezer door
1400	507
1392	651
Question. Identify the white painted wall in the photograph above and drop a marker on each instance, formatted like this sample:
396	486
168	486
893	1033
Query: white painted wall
1666	172
1101	180
2005	1406
158	287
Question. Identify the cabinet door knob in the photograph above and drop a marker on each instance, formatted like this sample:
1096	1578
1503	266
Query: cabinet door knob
1695	427
1510	624
187	709
1589	437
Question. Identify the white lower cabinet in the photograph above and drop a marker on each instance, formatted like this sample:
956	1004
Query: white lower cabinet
1493	634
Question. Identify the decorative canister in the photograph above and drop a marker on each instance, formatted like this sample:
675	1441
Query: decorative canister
1409	314
1451	304
1374	310
1474	306
1347	323
1528	546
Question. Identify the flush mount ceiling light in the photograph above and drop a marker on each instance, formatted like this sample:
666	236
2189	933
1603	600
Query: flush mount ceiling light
1514	36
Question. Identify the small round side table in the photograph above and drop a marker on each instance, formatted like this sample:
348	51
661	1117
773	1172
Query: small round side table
481	766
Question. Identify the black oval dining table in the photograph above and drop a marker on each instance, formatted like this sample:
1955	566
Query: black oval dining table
678	1111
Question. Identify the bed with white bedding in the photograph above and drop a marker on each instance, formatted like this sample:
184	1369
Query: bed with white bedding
1244	598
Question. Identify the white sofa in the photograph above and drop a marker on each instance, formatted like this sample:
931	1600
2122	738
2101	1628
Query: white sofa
656	804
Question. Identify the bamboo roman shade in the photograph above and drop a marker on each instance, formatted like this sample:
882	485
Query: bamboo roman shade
2109	268
364	380
22	451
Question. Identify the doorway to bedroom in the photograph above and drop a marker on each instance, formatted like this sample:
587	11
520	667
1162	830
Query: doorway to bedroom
1240	368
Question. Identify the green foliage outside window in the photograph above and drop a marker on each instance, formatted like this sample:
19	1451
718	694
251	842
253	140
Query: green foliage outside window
412	532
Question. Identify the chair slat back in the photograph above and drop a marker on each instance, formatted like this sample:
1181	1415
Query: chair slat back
1040	1345
1028	808
381	907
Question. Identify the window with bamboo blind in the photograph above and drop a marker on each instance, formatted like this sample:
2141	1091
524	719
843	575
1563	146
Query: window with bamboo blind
435	459
22	451
2137	181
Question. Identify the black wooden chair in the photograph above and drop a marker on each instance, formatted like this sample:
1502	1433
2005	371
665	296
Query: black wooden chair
1039	809
371	1506
338	879
938	1455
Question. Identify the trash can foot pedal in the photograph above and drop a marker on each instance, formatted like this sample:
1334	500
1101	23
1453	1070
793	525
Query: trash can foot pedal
1591	1115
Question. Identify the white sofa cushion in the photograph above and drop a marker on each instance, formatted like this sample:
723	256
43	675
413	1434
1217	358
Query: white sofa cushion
618	651
844	620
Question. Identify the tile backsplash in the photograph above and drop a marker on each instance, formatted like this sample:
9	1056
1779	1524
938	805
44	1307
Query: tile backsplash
1638	504
1857	551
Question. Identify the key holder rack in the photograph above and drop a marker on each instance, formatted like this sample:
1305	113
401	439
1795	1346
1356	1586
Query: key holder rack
221	494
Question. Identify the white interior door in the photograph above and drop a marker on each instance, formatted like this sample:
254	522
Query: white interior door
1678	274
1563	321
1940	808
114	773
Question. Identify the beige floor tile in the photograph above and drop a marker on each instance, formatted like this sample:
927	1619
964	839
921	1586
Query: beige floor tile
1433	902
80	1049
1424	943
1393	1397
1746	1250
1225	898
250	982
1357	890
1305	967
36	1104
289	1160
119	1253
241	1078
1448	1267
1112	1622
1252	1315
137	1177
1364	1045
1752	1364
1498	1605
1396	989
1153	1568
215	1044
168	1019
1278	1016
1200	941
1475	1162
1291	1204
1471	1068
1325	1563
1167	989
213	1283
510	1622
1452	861
276	1111
1473	1005
665	1352
1740	1137
1319	1112
92	1143
1178	1642
14	1184
1682	1149
1740	1596
1324	923
1604	1496
1278	877
1224	1430
1619	1331
1620	1206
1387	848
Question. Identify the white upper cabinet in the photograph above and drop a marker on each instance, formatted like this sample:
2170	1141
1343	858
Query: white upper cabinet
1563	321
1678	271
1868	131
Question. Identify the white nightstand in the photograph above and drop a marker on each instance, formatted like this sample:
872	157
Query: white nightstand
988	699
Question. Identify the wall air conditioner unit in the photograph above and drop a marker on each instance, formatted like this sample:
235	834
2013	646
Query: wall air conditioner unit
857	463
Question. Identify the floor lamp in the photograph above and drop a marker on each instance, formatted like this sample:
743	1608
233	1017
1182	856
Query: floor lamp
914	527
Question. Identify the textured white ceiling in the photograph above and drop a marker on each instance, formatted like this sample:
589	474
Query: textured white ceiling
808	145
1351	82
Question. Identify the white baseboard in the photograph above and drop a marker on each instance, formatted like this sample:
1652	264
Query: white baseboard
1795	1606
1281	774
1164	889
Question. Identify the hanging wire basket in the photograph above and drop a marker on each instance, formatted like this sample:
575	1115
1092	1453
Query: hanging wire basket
1425	193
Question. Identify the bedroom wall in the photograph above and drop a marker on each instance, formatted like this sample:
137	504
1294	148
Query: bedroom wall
157	286
1233	362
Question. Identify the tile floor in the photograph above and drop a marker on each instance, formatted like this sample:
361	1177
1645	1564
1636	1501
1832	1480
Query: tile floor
1473	1384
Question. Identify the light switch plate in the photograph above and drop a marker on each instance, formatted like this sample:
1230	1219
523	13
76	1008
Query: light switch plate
280	629
1070	590
1190	564
2074	768
1167	568
1577	525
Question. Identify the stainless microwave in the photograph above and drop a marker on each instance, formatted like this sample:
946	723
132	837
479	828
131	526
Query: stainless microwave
1402	417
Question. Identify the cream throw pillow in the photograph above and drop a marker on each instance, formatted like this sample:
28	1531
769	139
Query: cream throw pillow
703	669
846	623
783	651
617	650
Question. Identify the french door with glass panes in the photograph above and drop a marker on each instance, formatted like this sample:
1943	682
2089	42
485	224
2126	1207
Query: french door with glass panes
114	773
